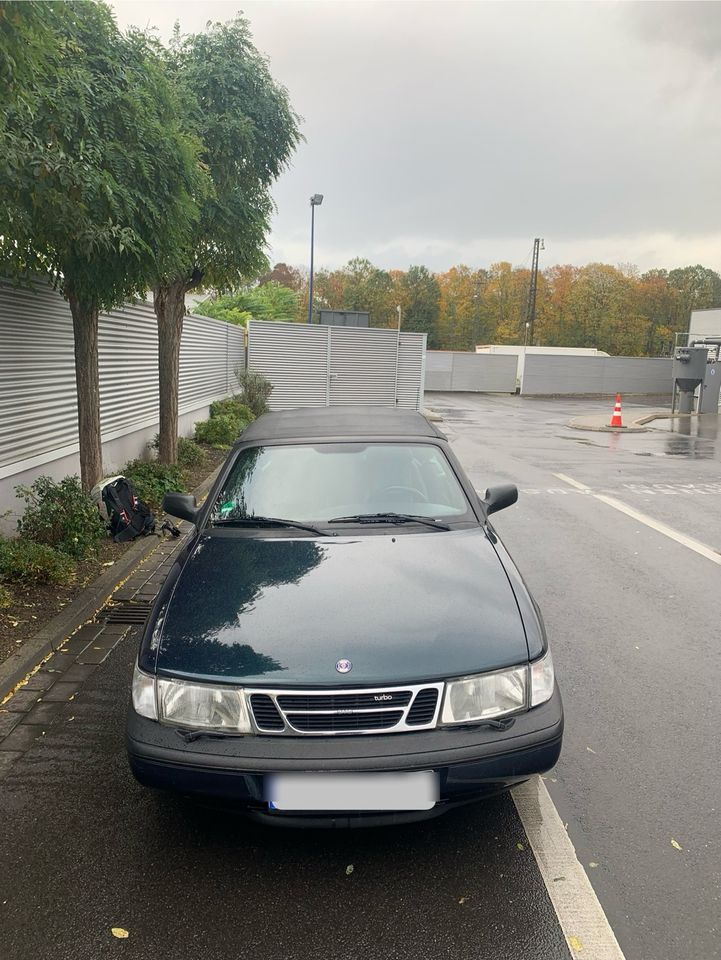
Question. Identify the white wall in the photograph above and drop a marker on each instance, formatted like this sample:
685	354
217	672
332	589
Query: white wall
706	323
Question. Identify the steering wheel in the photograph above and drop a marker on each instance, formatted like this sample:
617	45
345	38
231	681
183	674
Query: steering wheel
412	490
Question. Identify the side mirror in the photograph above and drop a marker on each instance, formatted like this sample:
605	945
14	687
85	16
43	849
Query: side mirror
181	505
500	497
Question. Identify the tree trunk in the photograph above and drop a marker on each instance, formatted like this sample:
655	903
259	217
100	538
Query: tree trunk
87	383
169	304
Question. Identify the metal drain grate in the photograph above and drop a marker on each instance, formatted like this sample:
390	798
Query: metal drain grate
129	613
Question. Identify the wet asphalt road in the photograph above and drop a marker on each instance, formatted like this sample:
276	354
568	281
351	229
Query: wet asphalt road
83	849
631	617
633	621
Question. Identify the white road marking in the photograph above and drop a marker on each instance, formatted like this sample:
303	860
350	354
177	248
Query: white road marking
701	548
584	924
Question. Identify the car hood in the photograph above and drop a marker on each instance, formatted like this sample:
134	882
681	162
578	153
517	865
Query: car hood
411	607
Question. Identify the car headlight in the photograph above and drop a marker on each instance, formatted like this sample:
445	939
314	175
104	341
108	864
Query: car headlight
542	680
144	694
202	705
486	696
190	704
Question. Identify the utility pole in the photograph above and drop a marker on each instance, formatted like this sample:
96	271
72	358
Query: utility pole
531	308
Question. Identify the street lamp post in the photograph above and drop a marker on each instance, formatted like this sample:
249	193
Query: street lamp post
315	201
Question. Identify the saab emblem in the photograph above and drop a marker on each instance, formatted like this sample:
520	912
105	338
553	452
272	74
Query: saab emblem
344	666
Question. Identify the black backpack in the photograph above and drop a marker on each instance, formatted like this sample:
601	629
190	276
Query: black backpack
129	517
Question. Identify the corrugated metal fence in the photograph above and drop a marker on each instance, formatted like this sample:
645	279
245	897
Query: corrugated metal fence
449	370
547	375
317	366
38	410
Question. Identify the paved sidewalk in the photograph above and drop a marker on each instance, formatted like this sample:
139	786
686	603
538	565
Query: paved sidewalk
36	703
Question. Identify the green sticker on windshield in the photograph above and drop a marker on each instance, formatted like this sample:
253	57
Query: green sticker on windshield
226	507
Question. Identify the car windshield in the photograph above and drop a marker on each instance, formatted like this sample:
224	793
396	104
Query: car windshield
320	482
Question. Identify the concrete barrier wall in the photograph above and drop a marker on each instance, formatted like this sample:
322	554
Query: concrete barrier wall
545	375
450	370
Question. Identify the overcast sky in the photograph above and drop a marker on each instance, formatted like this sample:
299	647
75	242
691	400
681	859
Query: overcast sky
445	133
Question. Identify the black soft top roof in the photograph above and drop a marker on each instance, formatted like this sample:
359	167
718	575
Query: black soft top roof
311	422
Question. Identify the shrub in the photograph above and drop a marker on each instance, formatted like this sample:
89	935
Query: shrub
232	407
254	390
61	515
25	561
190	454
219	431
5	598
152	480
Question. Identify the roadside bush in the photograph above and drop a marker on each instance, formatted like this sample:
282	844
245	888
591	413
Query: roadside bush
25	561
219	432
62	516
5	598
152	480
254	390
232	407
190	455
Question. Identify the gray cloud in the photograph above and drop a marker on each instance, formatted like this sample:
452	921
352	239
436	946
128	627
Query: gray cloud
448	132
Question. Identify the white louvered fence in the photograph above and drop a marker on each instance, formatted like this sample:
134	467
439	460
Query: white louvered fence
318	366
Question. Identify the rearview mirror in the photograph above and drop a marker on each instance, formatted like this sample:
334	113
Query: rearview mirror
500	497
181	505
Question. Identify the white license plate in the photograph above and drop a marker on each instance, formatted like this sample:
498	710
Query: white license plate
352	791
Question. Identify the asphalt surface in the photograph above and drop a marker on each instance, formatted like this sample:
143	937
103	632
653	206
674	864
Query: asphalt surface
633	623
631	617
84	849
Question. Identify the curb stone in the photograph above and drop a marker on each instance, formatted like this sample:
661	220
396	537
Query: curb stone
83	608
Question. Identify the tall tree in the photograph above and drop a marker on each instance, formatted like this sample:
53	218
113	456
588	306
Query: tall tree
421	302
106	179
248	132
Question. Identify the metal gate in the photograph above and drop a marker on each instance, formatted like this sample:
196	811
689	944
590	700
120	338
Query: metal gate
321	366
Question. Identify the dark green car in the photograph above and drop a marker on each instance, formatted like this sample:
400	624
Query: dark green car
343	638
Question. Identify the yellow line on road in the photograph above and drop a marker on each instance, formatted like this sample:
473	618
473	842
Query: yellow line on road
701	548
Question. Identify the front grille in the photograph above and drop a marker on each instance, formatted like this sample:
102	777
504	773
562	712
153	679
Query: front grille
344	722
424	707
265	712
317	713
345	701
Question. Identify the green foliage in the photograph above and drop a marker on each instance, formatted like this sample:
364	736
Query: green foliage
232	407
270	301
99	185
248	131
190	455
219	432
6	599
24	561
255	389
62	516
152	480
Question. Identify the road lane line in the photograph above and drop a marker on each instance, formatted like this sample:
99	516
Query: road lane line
584	924
701	548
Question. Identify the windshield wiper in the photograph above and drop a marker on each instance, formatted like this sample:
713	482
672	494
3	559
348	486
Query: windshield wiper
267	522
391	518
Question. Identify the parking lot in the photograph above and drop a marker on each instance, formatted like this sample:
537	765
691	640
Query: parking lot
617	537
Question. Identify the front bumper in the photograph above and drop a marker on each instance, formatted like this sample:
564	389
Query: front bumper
472	761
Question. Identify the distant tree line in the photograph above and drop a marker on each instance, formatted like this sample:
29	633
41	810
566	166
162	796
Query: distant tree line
616	309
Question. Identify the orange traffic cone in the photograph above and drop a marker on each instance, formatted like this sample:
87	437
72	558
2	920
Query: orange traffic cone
616	418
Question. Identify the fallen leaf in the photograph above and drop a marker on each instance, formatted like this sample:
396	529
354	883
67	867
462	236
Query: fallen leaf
589	750
676	844
119	933
593	863
110	563
463	900
575	944
349	869
519	846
